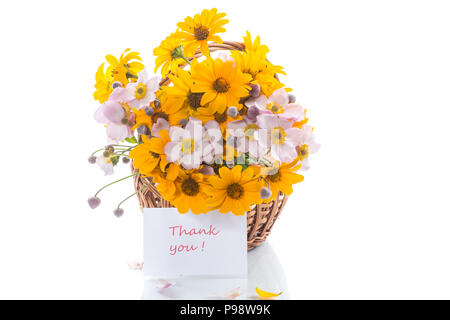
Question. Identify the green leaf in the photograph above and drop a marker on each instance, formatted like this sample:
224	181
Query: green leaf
115	160
131	140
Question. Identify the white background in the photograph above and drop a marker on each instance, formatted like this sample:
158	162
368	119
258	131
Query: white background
371	219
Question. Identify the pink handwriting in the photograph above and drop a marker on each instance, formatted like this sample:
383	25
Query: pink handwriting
174	249
180	231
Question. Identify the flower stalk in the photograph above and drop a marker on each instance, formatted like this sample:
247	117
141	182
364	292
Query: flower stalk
131	195
114	182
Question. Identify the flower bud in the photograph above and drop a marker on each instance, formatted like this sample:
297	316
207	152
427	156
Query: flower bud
183	122
207	170
116	84
252	113
233	112
118	212
255	91
149	111
126	160
94	202
106	154
292	98
157	103
109	148
265	193
92	159
124	121
142	129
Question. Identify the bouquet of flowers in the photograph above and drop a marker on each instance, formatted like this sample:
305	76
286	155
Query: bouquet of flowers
216	131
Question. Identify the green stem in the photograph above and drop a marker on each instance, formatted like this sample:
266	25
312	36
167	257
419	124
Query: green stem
186	59
121	145
130	75
97	151
109	184
129	149
141	189
117	146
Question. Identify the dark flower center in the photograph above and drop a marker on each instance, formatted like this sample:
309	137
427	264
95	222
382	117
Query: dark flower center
274	177
235	191
194	99
220	117
154	155
221	85
201	33
159	114
190	187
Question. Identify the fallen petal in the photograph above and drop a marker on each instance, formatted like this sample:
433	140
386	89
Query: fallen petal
266	294
135	265
232	294
164	284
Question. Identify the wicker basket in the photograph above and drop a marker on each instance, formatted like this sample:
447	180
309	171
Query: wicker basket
260	218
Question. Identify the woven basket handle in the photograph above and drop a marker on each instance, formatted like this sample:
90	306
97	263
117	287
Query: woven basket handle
226	45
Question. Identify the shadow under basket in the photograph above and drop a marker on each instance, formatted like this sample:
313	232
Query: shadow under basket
260	218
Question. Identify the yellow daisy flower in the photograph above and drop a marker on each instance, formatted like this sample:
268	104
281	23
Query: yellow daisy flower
234	190
169	54
142	119
190	193
148	155
223	85
124	68
253	61
196	32
180	96
103	85
206	114
172	116
254	46
283	177
165	181
121	70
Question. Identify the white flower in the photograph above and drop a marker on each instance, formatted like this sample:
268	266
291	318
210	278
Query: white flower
245	140
306	146
212	142
113	115
160	124
142	92
105	164
185	145
278	135
278	103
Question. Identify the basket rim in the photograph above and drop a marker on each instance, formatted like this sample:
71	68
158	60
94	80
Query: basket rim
213	46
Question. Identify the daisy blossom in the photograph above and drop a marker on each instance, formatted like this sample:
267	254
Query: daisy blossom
185	145
117	120
105	163
142	92
212	142
278	135
244	132
306	146
278	103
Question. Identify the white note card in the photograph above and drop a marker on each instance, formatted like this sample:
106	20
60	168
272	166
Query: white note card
177	245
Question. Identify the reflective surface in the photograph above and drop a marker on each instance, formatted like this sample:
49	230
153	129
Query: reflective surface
264	272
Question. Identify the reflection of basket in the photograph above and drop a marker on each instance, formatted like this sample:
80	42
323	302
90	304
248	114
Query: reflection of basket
260	218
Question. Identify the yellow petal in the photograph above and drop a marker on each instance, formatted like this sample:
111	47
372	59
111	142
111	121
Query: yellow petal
266	294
